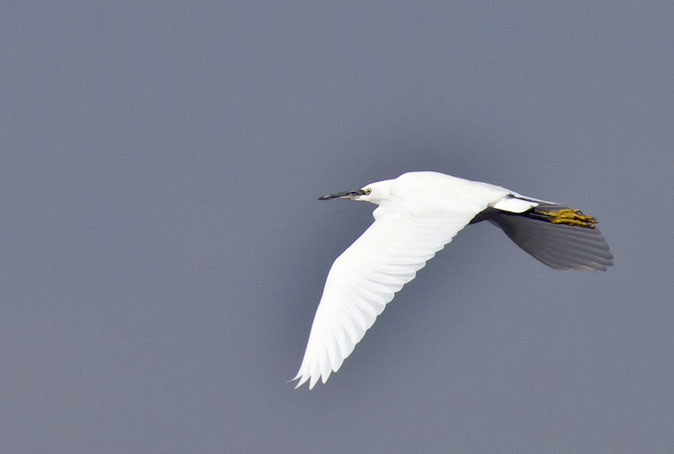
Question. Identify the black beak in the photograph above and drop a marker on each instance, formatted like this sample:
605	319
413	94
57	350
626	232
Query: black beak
340	195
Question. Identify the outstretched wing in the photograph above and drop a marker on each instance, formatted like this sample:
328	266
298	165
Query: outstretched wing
364	278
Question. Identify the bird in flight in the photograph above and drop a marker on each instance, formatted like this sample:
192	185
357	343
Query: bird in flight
417	214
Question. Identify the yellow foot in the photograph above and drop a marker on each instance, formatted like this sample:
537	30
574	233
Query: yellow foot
570	216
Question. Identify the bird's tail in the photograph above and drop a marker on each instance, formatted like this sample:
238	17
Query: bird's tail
560	237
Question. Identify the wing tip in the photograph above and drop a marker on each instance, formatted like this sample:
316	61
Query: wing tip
313	379
302	379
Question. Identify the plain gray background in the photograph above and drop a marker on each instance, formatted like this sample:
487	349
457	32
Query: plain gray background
163	251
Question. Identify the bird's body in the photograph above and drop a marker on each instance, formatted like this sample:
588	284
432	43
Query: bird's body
418	213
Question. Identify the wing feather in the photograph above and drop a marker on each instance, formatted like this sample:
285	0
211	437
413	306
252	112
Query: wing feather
366	276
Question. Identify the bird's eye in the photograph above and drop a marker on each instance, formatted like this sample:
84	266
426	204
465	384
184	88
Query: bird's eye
368	191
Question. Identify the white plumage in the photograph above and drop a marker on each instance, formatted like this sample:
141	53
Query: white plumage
418	213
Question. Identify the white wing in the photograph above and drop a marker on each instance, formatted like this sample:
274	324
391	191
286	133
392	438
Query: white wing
406	234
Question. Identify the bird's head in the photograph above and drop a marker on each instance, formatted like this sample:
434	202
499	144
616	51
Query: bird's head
377	193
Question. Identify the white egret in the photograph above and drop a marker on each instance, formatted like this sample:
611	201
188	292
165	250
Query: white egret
418	213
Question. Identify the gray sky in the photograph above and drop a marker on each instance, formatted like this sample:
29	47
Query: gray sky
163	251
